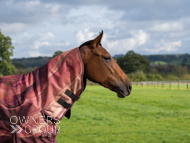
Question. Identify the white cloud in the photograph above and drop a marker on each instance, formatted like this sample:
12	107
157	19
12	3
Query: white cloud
46	36
138	39
171	46
26	35
31	4
94	16
62	44
166	47
42	44
13	27
13	41
53	8
38	44
34	53
167	27
83	35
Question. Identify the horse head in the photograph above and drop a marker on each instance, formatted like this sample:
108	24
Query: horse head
101	68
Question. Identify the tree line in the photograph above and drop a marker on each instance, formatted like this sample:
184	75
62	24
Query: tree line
161	67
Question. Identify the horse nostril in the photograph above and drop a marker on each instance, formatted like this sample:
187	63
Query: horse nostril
130	88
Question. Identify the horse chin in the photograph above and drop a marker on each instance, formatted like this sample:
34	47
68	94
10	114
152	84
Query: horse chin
120	95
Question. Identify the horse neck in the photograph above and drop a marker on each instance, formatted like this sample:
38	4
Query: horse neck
85	54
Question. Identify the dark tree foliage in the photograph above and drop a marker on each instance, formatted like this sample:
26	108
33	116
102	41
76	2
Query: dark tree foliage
57	53
32	62
19	65
182	59
132	62
165	58
171	69
6	50
186	60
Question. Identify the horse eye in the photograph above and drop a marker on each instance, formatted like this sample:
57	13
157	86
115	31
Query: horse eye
107	58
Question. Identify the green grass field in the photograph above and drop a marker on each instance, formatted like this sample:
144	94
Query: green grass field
160	62
148	115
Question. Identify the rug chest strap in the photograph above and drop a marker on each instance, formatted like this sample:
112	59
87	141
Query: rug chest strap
71	95
63	103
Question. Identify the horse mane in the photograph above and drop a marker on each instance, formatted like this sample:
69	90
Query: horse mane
86	43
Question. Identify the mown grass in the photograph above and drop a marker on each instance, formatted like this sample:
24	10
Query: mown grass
148	115
160	62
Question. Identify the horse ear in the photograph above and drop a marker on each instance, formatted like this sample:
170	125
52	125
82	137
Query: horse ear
97	40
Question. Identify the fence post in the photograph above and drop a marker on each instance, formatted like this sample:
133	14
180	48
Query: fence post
187	86
178	84
170	85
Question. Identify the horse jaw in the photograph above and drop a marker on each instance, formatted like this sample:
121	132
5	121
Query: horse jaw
118	87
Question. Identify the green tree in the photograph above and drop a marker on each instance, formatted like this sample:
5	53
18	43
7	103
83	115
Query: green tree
57	53
6	50
19	65
132	62
186	60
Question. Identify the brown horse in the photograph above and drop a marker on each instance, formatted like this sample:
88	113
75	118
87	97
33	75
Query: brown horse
31	104
101	68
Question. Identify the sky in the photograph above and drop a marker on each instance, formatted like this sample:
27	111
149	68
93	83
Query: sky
148	27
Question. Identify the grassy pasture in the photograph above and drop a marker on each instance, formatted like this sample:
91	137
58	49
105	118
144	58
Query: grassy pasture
148	115
160	62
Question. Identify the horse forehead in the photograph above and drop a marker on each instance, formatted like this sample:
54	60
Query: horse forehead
103	50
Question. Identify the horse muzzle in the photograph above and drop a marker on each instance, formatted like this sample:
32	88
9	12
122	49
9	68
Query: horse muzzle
124	91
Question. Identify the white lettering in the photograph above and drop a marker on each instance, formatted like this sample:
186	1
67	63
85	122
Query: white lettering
27	129
13	120
23	120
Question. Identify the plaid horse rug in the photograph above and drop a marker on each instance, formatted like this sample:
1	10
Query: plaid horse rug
31	105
